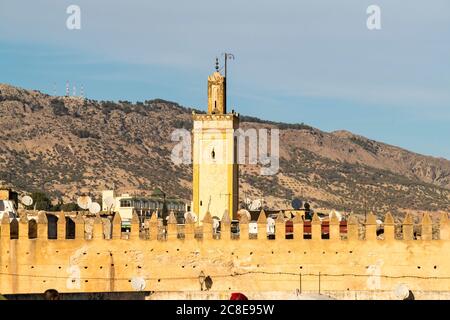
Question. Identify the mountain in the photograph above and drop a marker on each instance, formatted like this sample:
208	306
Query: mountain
69	145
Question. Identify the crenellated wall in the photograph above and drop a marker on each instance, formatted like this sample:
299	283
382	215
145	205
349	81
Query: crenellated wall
183	258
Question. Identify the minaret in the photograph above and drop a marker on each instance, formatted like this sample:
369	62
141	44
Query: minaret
215	169
216	92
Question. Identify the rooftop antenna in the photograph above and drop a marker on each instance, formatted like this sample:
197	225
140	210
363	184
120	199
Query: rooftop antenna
54	88
82	91
227	56
67	89
74	90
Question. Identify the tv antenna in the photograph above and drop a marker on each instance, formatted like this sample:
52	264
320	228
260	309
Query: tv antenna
109	203
67	88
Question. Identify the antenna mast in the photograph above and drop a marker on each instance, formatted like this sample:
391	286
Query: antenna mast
226	57
67	88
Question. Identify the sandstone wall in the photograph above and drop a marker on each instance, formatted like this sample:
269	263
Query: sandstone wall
343	264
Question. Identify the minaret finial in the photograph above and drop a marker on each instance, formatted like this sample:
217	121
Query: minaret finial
217	64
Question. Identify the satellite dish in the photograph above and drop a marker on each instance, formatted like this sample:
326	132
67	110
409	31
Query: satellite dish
27	201
109	202
191	215
244	212
94	208
255	205
401	291
84	202
297	204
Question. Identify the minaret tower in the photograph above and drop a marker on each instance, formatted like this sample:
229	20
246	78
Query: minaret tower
215	168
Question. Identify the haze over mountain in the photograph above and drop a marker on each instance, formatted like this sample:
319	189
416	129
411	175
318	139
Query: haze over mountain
68	145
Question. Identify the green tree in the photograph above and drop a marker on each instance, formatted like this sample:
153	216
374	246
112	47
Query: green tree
68	207
41	201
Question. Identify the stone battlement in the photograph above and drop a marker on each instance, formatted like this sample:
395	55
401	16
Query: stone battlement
190	258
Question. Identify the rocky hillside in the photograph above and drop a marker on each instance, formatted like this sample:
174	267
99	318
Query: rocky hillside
68	145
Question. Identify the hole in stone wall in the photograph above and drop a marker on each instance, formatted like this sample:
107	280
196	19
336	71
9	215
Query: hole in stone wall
32	267
178	249
86	280
59	267
182	267
126	265
418	267
435	267
159	280
251	253
101	267
323	252
350	252
86	267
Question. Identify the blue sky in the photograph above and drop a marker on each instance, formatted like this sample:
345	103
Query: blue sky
310	61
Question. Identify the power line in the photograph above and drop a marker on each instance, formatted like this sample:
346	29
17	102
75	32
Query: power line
238	274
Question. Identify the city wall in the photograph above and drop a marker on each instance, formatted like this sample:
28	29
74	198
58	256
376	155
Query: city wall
191	258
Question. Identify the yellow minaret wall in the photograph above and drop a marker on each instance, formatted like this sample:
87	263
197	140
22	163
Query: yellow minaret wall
215	179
